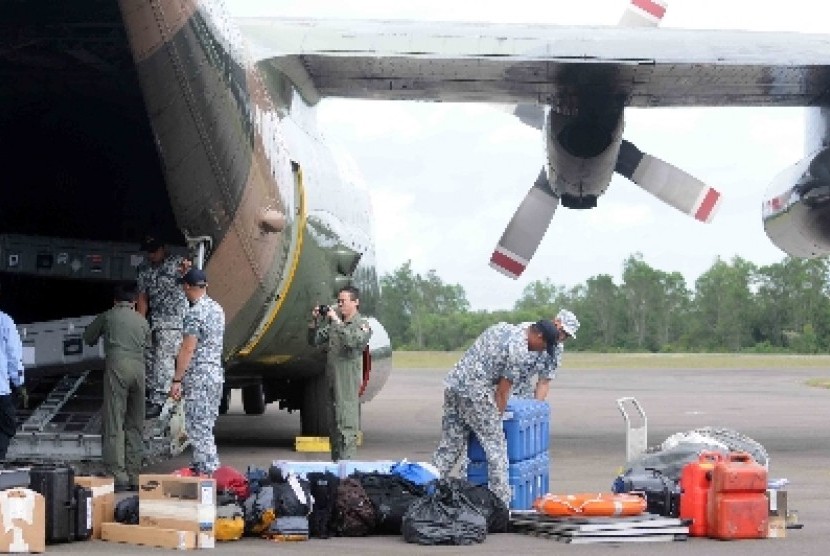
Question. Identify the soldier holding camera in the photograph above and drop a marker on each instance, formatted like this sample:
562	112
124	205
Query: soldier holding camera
346	335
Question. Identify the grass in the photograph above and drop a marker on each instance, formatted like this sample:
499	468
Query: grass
584	360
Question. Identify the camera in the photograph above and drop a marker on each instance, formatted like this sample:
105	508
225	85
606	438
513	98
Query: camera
323	310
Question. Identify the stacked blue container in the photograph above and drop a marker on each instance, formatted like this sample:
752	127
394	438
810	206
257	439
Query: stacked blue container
526	427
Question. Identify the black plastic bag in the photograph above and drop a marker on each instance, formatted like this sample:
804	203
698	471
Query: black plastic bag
490	506
446	516
126	511
391	495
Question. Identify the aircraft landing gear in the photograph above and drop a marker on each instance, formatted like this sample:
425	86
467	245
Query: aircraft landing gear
225	402
253	399
314	413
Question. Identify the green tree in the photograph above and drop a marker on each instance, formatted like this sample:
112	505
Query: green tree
398	290
724	306
734	306
601	311
641	290
409	299
675	304
541	295
792	300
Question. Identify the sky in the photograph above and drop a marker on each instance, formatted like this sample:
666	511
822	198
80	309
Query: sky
446	178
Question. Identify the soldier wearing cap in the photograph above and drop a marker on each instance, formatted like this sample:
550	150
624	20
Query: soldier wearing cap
199	375
476	392
544	366
162	302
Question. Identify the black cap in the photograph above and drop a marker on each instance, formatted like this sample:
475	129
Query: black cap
549	333
150	244
194	277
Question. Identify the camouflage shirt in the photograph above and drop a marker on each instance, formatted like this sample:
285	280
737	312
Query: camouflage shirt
539	364
500	351
165	296
205	319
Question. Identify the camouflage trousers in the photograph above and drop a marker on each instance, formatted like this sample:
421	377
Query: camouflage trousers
202	395
161	363
462	416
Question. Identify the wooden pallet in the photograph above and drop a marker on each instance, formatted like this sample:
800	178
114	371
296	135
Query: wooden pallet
576	530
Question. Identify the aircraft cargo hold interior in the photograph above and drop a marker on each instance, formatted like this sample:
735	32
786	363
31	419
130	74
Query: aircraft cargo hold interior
79	162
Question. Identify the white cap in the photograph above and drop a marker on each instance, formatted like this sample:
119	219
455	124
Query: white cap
570	324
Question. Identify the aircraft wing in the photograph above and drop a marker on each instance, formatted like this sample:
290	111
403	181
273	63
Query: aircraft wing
641	67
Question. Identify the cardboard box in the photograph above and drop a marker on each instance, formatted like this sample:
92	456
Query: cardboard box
23	519
777	528
103	500
180	503
148	536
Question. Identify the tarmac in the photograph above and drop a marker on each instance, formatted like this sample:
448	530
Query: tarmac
587	448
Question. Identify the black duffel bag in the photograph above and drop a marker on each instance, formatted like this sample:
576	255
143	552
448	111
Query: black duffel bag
391	495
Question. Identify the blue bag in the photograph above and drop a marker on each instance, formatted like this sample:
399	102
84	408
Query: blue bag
414	472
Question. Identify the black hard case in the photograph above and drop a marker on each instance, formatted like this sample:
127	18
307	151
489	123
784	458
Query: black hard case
57	485
83	513
662	494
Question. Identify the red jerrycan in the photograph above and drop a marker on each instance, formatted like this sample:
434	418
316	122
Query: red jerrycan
737	505
695	481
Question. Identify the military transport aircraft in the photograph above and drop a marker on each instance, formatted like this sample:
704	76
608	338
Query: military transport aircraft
124	117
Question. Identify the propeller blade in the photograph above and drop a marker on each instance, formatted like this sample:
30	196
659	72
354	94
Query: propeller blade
523	234
532	115
668	183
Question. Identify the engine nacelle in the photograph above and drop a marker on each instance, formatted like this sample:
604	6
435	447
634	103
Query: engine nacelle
796	209
582	152
377	361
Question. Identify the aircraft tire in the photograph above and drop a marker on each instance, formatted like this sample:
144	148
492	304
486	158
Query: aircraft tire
314	413
253	399
225	402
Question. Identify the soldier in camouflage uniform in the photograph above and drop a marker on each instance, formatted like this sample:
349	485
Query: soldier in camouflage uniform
162	302
345	337
544	366
476	392
199	374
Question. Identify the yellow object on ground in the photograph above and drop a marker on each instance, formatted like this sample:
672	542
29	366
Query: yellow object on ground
229	528
318	443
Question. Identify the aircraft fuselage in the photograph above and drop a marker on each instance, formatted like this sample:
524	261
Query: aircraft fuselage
237	160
